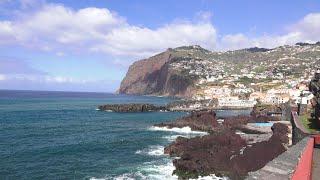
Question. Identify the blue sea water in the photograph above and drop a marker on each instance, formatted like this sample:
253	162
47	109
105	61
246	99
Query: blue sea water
60	135
267	124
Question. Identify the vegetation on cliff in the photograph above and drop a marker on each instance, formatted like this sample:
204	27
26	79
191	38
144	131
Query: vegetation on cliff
180	71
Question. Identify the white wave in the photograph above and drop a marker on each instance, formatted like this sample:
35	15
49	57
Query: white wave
156	171
184	130
152	151
173	137
130	176
211	177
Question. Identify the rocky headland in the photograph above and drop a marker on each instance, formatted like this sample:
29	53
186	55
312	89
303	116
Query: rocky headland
187	71
197	121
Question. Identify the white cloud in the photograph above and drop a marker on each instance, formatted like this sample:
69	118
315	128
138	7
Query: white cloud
2	77
59	29
235	41
60	54
306	30
55	27
308	27
23	81
63	79
204	16
136	41
44	79
7	34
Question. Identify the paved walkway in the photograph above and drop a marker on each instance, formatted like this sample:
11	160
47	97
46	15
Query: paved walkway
316	164
282	166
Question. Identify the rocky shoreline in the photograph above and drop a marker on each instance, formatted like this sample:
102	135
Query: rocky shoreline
233	147
182	105
131	108
230	149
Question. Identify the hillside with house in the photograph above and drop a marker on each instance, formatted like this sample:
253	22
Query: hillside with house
234	78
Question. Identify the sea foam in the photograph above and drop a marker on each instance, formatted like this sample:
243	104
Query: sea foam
152	151
156	171
174	137
184	130
159	171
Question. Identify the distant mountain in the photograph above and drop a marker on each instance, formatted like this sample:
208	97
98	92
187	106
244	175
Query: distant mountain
178	71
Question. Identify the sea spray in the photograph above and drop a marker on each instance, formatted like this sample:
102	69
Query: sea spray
152	151
184	130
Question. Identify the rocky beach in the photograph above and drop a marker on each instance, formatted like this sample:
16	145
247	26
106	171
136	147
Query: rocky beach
230	149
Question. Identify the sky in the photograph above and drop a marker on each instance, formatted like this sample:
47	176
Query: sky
88	45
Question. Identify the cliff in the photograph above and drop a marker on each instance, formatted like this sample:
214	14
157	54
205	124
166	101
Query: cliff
157	76
184	71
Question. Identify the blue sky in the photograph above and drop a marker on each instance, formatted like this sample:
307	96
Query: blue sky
88	45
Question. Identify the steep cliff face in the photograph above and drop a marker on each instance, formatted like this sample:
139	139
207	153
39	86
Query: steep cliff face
183	71
156	76
141	73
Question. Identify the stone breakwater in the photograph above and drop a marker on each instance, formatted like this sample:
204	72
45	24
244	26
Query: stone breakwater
224	151
131	108
181	105
197	121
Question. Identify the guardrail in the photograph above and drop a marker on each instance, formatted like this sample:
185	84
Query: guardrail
303	170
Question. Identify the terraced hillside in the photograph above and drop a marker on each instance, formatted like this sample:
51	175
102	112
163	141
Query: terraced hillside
184	70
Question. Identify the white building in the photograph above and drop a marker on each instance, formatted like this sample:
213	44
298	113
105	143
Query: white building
242	90
236	102
217	91
276	98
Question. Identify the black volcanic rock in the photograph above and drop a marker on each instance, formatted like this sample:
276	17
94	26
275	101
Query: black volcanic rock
222	151
131	107
225	153
265	110
197	121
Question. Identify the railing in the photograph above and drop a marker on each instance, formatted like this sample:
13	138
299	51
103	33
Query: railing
304	168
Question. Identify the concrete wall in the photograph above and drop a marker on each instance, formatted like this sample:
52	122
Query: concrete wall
284	166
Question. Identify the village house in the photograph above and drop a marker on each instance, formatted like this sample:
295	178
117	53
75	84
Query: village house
257	96
217	91
234	101
276	98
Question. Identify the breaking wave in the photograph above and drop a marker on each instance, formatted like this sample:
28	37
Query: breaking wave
152	151
184	130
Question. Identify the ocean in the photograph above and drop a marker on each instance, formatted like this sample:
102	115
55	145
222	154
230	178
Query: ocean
61	135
